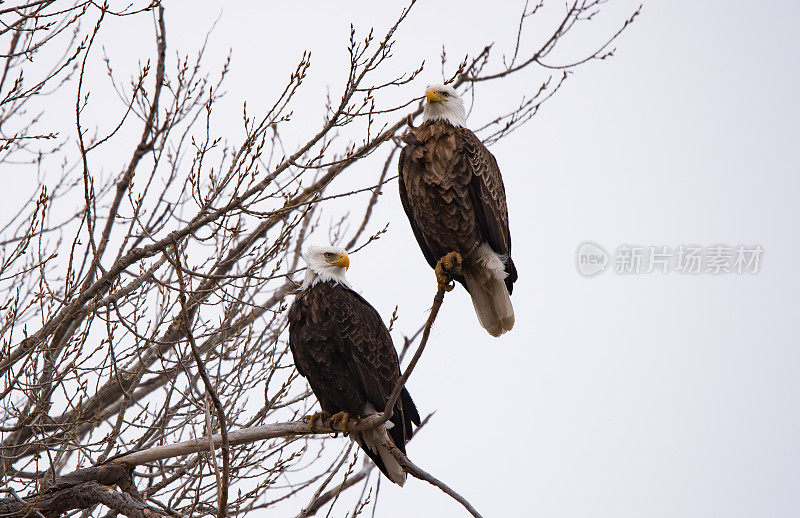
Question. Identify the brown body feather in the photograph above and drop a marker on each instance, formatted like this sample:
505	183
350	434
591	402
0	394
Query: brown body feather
341	345
453	194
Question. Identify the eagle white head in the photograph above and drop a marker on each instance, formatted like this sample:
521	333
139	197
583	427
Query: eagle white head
444	103
325	263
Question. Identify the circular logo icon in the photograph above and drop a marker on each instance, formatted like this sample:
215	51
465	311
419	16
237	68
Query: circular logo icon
591	259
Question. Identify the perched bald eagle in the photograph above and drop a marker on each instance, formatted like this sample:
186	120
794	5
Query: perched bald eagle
453	195
340	344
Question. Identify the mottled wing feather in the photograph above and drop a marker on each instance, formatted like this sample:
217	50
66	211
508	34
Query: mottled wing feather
367	345
488	193
489	198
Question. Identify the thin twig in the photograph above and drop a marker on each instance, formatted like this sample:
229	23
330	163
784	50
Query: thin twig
222	498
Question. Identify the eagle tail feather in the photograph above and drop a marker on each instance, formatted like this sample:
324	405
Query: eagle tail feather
487	287
371	442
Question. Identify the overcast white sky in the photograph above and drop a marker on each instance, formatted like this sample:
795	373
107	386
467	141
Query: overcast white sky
642	395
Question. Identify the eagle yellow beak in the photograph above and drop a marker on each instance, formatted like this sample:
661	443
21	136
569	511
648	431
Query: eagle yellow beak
342	260
433	96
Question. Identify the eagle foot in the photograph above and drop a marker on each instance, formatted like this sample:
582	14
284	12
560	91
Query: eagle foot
313	419
339	421
446	268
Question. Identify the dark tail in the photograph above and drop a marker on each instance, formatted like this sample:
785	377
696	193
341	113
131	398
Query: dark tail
511	270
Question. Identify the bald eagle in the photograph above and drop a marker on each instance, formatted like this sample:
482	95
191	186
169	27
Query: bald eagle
453	195
340	344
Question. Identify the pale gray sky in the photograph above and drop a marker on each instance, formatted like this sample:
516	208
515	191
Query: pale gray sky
644	395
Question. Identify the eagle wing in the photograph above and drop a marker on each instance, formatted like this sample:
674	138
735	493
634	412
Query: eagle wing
488	196
373	358
366	344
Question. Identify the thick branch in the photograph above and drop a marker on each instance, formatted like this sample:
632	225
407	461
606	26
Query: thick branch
82	489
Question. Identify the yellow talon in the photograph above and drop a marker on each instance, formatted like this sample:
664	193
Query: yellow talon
446	268
313	419
339	421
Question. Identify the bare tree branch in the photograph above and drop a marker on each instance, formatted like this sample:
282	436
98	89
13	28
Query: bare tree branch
181	331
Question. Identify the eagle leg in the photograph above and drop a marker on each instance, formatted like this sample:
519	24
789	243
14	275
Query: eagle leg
446	268
339	421
313	419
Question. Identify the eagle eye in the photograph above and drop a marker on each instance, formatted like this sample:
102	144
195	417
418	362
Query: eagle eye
329	255
445	94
